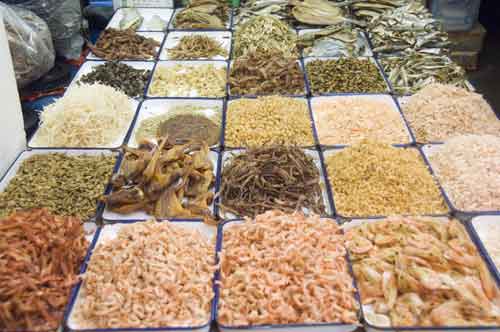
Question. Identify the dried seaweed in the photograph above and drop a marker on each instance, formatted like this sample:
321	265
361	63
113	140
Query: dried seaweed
261	179
260	73
196	47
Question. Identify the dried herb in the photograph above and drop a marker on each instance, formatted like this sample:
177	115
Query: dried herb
203	14
344	75
196	47
116	44
190	127
261	179
120	76
66	185
259	73
263	33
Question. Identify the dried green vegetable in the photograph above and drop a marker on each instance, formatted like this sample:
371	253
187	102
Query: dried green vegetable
335	41
203	14
116	44
321	12
120	76
66	185
263	33
375	179
260	73
196	47
283	178
344	75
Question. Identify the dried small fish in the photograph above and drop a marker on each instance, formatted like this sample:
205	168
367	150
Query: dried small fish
252	8
321	12
203	14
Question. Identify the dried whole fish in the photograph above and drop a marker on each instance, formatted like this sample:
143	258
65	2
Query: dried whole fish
334	41
366	10
197	47
414	70
39	264
262	33
264	73
252	8
321	12
167	180
261	179
203	14
116	44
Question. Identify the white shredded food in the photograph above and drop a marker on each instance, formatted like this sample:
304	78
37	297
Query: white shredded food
86	116
488	231
153	274
439	111
468	168
349	119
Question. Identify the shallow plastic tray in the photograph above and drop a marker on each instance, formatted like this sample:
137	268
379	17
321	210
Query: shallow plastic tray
154	107
478	226
108	232
147	13
141	215
367	52
177	10
371	59
312	327
113	145
194	93
173	38
227	155
158	36
12	171
381	97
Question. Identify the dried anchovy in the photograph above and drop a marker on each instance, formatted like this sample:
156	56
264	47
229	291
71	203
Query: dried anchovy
262	33
116	44
259	73
65	185
120	76
262	179
40	262
413	71
196	47
408	27
203	14
334	41
344	75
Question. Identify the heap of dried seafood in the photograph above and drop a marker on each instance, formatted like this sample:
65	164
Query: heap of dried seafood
373	179
334	41
40	262
166	180
285	269
252	8
203	14
196	47
421	272
263	33
321	12
261	179
265	73
366	10
68	185
413	70
124	45
152	274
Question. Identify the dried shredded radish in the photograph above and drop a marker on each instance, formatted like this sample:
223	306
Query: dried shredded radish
86	116
438	112
283	269
468	168
344	120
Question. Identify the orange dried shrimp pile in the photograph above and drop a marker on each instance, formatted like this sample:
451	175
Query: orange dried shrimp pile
152	274
421	272
40	257
285	269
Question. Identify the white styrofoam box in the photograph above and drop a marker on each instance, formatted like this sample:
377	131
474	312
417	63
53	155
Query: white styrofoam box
172	27
367	52
110	232
371	59
173	38
378	97
226	159
143	3
11	173
142	215
147	13
88	66
193	93
154	107
33	143
158	36
487	225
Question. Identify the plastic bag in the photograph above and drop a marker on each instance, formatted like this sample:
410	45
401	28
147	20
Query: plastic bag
30	44
64	18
